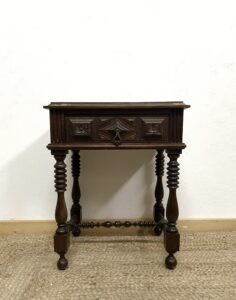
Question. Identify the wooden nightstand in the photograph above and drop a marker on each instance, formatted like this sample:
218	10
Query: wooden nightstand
141	125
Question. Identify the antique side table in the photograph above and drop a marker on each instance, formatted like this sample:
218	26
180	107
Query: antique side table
115	126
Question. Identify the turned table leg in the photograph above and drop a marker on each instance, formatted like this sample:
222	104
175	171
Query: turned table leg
158	209
76	211
171	234
61	237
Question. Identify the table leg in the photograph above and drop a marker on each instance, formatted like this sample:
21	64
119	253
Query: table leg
158	209
61	237
76	211
171	234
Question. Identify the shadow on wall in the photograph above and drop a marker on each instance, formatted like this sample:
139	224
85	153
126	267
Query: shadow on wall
114	184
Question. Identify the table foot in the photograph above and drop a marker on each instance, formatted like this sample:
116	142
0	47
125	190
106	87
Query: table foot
158	230
61	246
76	231
62	262
171	261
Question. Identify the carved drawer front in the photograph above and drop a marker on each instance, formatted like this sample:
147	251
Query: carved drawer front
155	128
116	130
80	129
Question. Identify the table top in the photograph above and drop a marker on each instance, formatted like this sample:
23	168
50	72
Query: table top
116	105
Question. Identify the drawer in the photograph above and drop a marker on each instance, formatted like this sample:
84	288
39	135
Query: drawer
116	130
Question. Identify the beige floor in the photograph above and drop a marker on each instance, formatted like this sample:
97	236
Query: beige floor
122	267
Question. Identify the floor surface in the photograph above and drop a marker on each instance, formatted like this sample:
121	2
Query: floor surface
119	267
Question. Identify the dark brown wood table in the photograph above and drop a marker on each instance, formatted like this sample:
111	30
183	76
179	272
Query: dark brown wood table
115	126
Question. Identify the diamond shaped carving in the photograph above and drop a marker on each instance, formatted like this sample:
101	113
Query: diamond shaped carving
108	128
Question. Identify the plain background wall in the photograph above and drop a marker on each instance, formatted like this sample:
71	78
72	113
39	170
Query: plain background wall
126	50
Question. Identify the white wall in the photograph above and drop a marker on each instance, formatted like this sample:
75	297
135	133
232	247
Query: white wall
126	50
